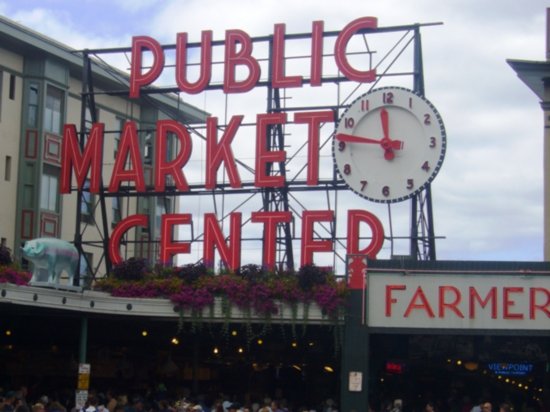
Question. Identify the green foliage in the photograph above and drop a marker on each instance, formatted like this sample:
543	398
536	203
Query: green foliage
131	269
5	256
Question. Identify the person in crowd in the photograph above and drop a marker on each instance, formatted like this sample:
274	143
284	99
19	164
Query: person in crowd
38	407
505	407
430	407
486	406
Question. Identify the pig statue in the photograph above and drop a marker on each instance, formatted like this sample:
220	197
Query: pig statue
50	256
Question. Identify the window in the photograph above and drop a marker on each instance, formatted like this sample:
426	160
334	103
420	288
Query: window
163	206
7	170
52	111
12	86
118	136
49	188
32	114
148	149
117	209
87	202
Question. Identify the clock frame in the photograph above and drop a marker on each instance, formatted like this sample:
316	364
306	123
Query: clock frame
389	144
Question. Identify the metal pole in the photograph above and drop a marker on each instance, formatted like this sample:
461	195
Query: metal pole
83	346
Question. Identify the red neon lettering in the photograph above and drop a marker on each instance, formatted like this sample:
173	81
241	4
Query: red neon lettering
234	58
119	230
174	167
137	78
390	300
355	218
340	50
419	301
205	65
475	297
278	78
316	53
270	221
71	157
452	305
507	303
264	156
230	254
168	247
216	153
534	306
129	145
309	245
314	121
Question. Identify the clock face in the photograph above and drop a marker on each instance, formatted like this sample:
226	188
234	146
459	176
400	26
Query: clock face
389	144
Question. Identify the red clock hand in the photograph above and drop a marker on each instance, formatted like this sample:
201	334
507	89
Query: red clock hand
392	144
388	144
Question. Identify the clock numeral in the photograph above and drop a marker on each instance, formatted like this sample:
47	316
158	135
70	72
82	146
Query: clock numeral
364	184
347	169
410	102
427	119
349	122
387	98
341	146
410	183
433	142
364	105
425	166
386	191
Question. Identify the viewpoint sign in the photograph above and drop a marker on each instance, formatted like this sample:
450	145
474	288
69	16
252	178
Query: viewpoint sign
241	74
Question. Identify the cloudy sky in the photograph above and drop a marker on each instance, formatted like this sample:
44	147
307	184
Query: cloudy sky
488	199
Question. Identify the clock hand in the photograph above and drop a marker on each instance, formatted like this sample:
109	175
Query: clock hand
388	145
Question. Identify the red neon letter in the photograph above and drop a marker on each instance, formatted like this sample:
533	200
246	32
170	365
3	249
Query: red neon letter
165	167
355	218
340	50
169	248
264	155
205	67
314	121
421	304
270	221
129	144
121	228
533	306
452	305
278	78
234	58
71	157
216	153
491	296
390	299
213	237
309	246
137	78
507	303
316	53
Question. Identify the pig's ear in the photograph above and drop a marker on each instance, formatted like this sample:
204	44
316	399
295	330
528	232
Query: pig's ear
39	247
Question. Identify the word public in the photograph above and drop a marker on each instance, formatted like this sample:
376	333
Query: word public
238	57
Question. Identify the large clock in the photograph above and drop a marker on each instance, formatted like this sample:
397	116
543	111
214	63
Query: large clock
389	144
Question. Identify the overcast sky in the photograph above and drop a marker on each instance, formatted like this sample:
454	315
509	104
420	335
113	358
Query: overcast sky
488	199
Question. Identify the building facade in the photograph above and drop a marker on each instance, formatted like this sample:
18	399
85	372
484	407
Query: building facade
41	84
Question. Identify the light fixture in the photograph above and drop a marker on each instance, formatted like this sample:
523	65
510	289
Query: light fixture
233	332
311	344
328	368
175	341
294	344
8	332
471	366
240	350
297	368
260	342
459	362
144	333
215	351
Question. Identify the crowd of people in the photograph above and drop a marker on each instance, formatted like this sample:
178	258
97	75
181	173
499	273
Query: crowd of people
160	399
